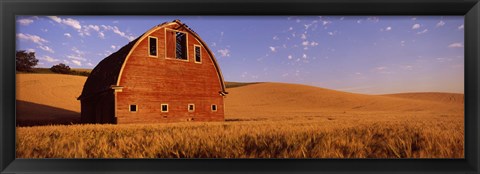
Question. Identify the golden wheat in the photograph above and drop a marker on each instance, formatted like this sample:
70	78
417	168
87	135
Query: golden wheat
296	138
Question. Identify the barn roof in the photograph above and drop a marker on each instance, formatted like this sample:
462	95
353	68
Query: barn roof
105	75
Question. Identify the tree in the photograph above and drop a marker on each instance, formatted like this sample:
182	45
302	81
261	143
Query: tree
60	68
25	61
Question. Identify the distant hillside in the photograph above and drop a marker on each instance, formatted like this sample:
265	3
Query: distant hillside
74	71
432	96
238	84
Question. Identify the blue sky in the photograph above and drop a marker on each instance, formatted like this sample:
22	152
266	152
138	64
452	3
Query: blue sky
361	54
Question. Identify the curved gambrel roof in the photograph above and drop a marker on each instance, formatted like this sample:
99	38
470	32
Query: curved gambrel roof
108	72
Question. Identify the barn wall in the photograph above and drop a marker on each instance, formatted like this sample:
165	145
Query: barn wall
98	109
149	82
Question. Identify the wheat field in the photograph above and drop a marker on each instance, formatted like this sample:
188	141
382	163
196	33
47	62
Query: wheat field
282	121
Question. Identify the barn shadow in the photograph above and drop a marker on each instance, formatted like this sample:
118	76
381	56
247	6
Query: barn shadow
33	114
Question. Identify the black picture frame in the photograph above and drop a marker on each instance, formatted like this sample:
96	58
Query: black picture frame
10	8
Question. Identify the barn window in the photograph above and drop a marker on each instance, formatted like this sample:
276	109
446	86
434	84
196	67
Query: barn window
214	108
164	107
181	45
152	45
176	44
133	108
198	54
191	107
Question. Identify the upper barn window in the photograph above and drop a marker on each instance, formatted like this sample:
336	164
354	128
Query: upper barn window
198	54
152	46
176	42
181	45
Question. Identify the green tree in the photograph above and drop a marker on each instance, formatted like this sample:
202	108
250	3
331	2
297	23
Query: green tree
60	68
25	61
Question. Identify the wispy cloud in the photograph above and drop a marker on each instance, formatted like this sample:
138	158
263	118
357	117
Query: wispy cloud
68	21
460	27
386	28
25	22
416	26
273	49
49	59
117	31
440	24
76	62
423	31
76	57
224	52
46	48
33	38
68	35
456	45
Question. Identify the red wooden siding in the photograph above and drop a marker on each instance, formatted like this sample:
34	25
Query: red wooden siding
149	82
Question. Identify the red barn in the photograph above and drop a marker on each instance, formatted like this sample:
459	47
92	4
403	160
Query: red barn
168	74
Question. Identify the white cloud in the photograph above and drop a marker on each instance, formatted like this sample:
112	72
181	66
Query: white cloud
416	26
441	23
25	22
117	31
93	27
456	45
34	38
388	28
69	22
305	43
325	22
290	57
46	48
31	50
72	23
113	47
67	35
87	28
423	32
275	38
74	49
460	27
224	52
273	49
101	35
76	57
55	18
89	64
313	43
304	56
402	43
304	36
49	59
290	29
76	62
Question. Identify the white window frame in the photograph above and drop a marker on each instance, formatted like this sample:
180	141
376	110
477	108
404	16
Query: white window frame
130	108
188	107
195	53
216	108
161	107
175	48
156	48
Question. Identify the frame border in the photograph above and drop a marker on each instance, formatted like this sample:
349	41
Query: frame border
10	8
